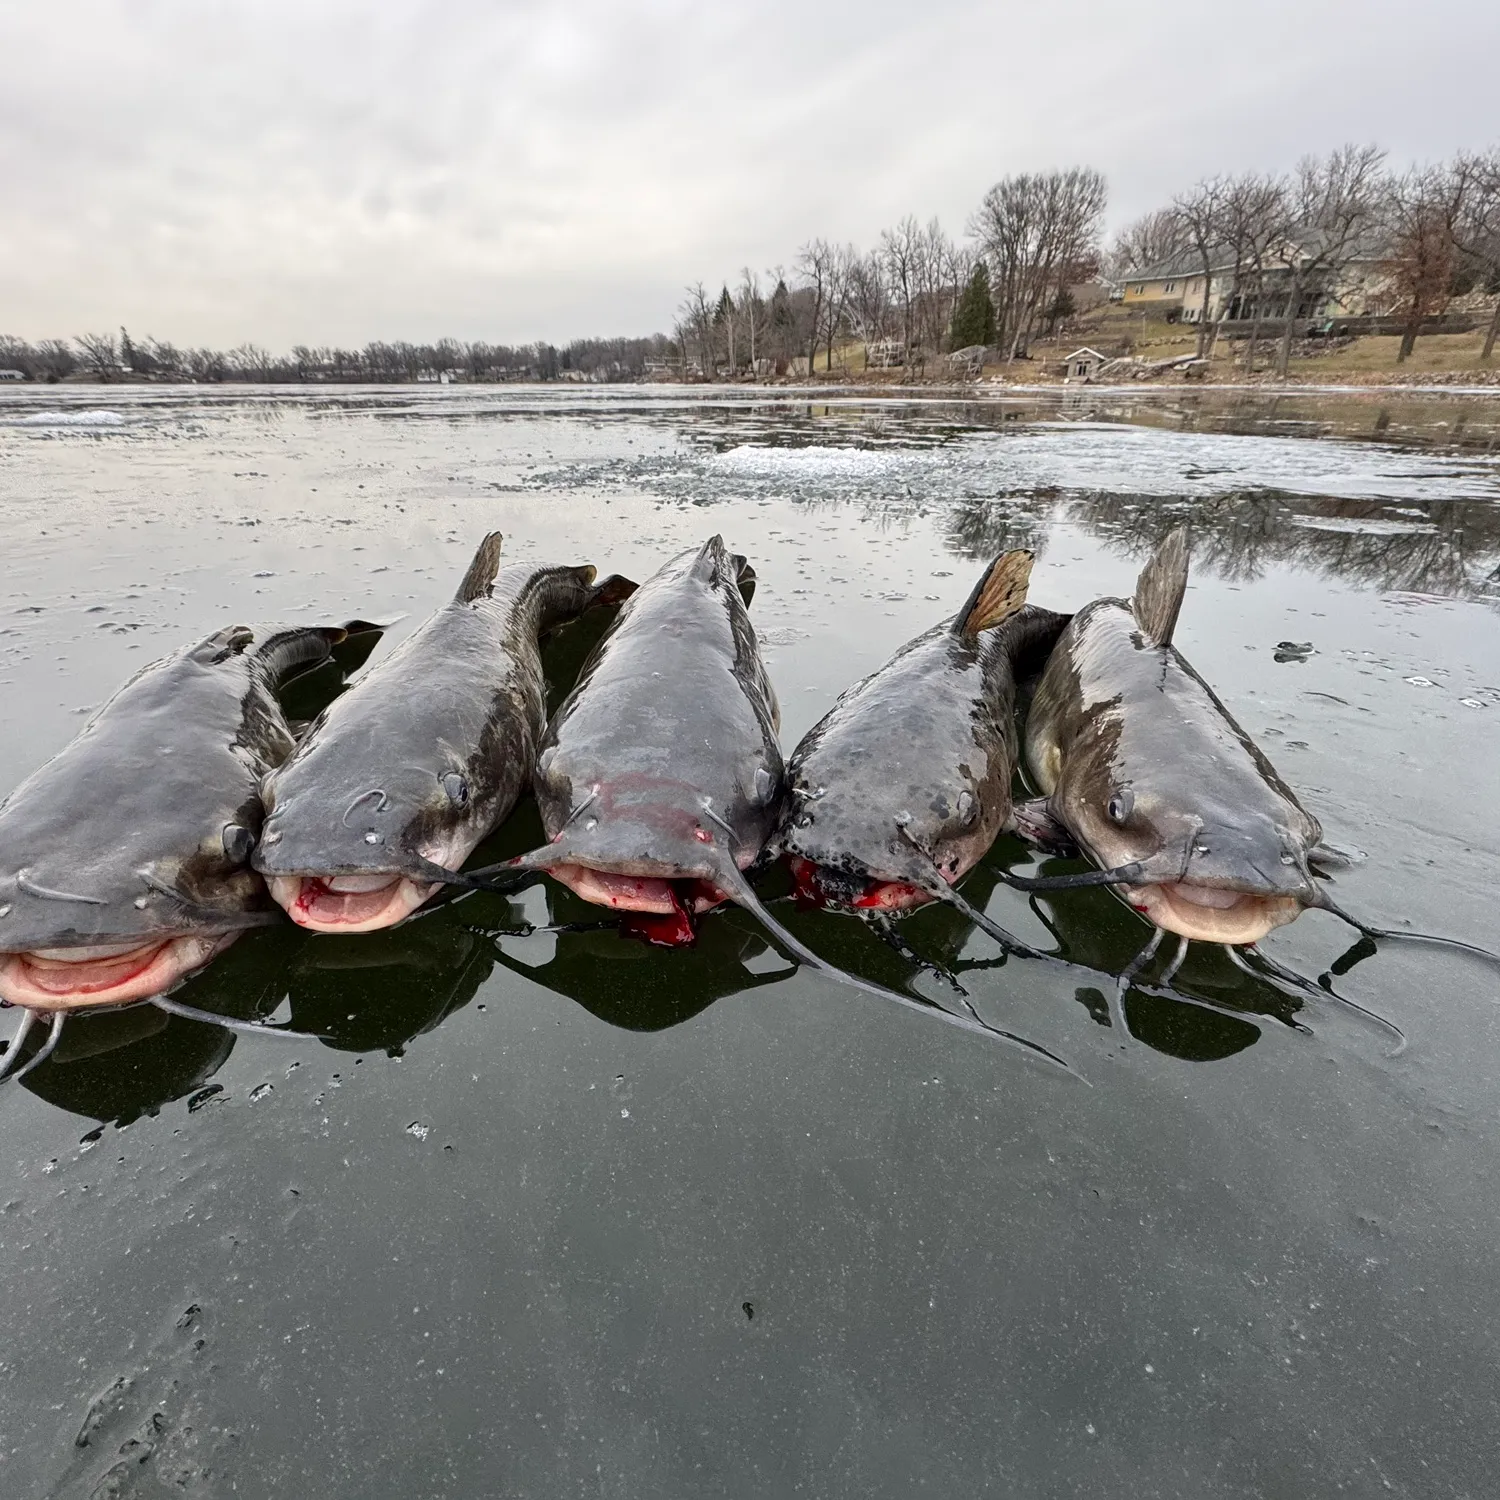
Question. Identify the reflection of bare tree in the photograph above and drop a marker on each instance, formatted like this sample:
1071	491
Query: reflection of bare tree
981	528
1449	547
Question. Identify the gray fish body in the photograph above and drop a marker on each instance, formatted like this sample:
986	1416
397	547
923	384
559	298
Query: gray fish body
427	752
665	752
660	776
141	829
917	758
1140	762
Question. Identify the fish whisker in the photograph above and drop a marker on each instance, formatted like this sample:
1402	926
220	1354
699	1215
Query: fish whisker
252	1028
1325	902
13	1050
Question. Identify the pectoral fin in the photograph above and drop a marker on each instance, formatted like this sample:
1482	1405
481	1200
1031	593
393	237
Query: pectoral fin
1035	822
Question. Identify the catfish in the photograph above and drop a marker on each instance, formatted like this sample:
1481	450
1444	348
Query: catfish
1143	768
402	775
125	859
660	776
901	788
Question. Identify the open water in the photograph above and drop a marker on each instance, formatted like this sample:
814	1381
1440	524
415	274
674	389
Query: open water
560	1214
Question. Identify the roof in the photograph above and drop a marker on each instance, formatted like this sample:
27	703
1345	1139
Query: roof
1370	246
1086	353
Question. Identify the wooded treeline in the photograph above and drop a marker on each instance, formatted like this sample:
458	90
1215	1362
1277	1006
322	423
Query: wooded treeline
916	294
110	356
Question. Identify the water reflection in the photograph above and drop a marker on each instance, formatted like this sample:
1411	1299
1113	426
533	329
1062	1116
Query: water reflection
1094	928
116	1066
1448	548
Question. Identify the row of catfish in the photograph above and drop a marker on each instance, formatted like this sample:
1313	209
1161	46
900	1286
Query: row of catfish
190	808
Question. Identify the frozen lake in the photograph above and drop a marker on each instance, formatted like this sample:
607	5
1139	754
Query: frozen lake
562	1214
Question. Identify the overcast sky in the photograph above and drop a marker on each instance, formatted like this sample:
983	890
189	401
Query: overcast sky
312	171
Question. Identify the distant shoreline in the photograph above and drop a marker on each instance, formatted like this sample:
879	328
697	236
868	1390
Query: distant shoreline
890	390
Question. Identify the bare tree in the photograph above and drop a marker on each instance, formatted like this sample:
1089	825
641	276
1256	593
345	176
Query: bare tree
1476	232
100	353
1152	239
1335	205
869	307
900	252
817	263
1423	207
1200	211
937	277
696	326
55	359
750	308
1033	229
1252	221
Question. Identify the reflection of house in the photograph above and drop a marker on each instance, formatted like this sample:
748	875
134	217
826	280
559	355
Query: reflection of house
1082	364
1174	288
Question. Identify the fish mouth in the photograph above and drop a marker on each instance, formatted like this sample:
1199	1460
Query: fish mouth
818	885
349	903
654	895
1211	914
54	979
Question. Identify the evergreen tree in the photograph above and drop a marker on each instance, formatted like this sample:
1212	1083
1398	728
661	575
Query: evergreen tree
973	312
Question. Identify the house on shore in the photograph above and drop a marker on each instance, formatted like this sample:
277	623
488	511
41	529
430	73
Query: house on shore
1240	292
12	375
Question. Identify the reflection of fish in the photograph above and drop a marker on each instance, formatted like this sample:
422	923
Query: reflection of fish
659	778
630	986
124	861
904	784
411	767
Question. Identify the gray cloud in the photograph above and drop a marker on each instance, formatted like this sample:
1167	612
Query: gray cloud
328	171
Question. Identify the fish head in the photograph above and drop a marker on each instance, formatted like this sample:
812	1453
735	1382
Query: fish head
1221	852
852	844
92	933
647	843
352	832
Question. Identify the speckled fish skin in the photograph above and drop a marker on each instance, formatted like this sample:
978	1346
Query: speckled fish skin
142	826
672	715
427	752
921	753
1120	713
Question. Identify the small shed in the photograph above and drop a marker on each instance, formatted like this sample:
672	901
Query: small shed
1082	364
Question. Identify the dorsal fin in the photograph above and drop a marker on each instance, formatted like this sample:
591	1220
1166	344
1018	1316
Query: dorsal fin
997	596
710	559
481	575
1159	589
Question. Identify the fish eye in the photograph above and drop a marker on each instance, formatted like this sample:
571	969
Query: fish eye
457	789
1121	805
239	842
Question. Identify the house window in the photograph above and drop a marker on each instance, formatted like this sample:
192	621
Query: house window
1169	286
